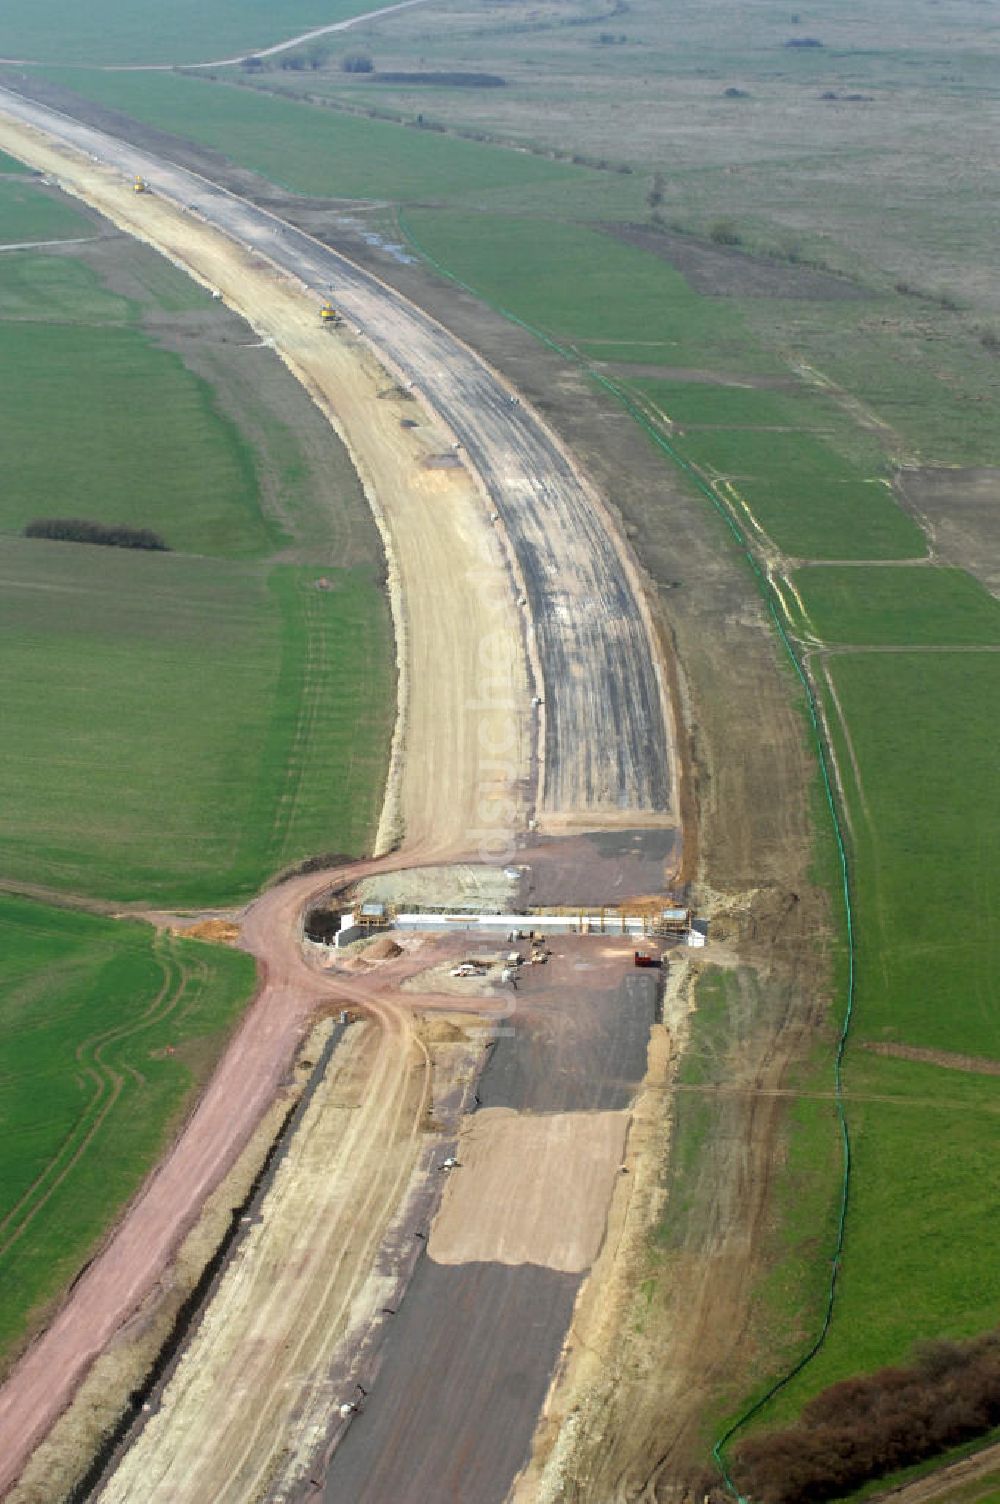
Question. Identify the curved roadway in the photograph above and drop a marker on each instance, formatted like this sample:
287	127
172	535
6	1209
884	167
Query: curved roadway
605	744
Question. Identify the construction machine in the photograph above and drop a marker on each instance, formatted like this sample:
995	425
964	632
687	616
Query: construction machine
140	185
329	314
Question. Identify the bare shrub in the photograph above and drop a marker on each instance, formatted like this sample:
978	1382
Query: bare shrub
864	1428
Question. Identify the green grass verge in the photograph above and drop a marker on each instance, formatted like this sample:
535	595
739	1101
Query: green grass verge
11	164
108	1031
143	32
909	607
310	149
28	214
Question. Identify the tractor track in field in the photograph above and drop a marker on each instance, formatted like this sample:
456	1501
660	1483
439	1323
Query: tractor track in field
109	1084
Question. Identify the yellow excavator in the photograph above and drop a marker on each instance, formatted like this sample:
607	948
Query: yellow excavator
140	185
329	314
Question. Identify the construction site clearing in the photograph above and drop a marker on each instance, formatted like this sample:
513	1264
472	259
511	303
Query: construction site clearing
499	1145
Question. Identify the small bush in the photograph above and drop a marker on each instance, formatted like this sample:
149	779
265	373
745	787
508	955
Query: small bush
78	530
724	232
357	62
803	42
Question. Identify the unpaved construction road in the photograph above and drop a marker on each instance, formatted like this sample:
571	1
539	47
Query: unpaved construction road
605	743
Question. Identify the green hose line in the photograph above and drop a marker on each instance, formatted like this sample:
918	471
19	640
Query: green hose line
768	594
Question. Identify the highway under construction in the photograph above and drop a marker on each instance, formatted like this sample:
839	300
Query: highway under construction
458	1164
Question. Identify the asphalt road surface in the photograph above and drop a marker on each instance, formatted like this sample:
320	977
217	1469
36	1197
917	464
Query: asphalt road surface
606	743
464	1375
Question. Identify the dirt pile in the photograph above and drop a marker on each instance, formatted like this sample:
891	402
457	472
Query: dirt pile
383	949
222	931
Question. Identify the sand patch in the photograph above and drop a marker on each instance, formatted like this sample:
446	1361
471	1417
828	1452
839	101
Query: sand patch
531	1189
220	931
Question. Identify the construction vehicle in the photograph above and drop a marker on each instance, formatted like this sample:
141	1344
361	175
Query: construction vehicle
140	185
642	959
329	314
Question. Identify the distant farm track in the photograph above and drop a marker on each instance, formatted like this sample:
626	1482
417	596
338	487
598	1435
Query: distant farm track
226	62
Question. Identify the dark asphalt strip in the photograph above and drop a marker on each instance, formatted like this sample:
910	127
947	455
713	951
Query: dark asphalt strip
590	1057
466	1370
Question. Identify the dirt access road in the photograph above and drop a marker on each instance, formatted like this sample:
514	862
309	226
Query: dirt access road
604	727
974	1479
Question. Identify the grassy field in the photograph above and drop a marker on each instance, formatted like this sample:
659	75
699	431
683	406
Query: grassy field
156	420
312	150
926	1146
12	165
926	821
900	607
179	725
811	503
107	1032
26	213
179	728
584	289
142	32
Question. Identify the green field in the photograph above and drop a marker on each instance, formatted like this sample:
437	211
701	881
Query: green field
177	728
179	725
107	1031
312	150
926	823
808	501
816	486
584	289
26	213
896	606
157	421
142	32
926	1145
12	165
925	1135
